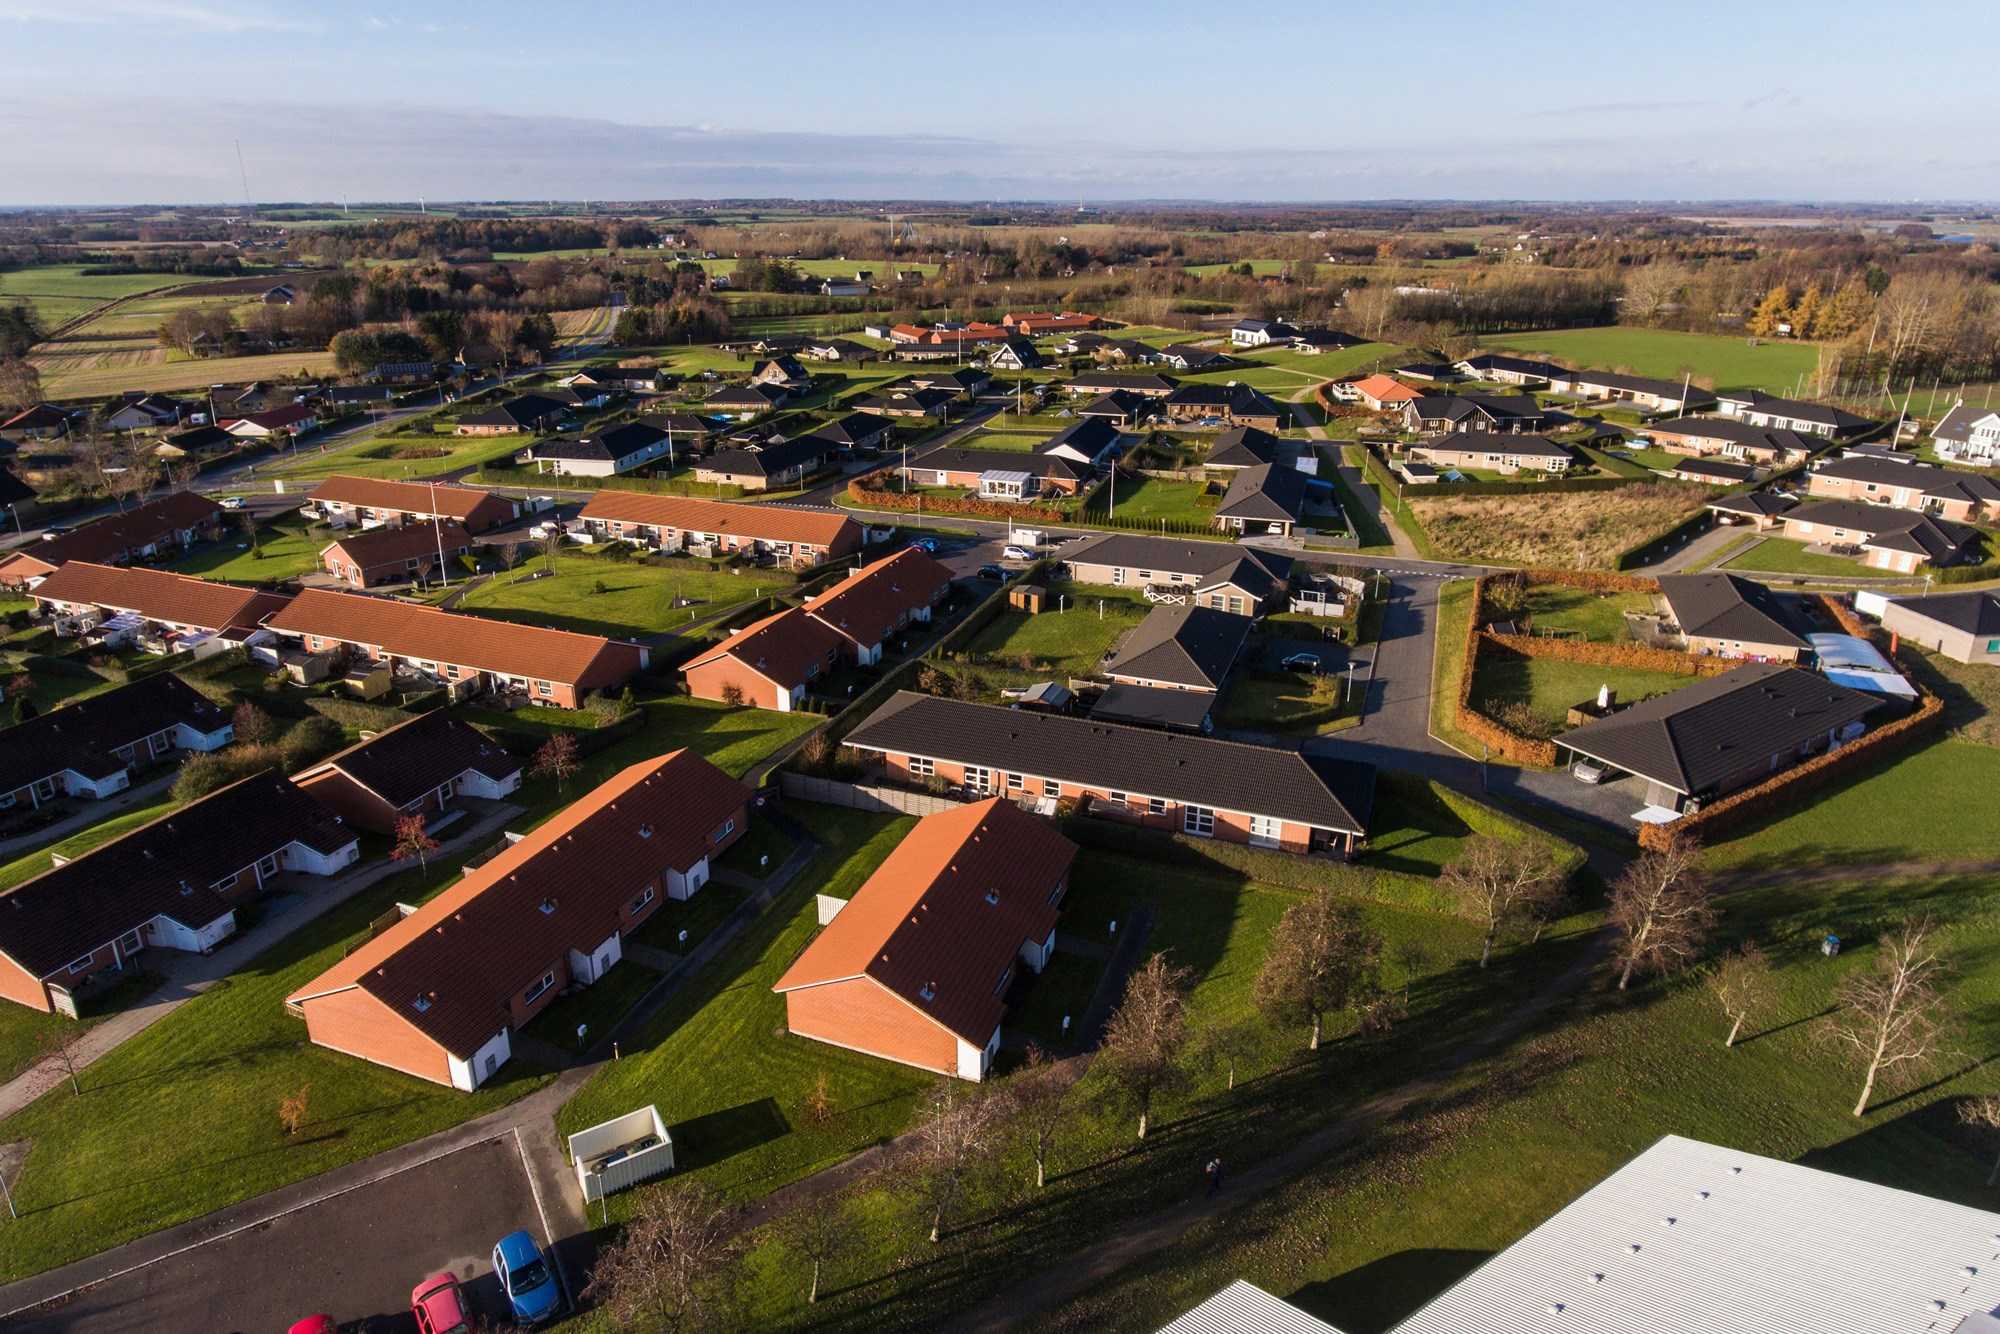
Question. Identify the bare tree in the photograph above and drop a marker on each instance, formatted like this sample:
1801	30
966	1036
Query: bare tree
821	1232
674	1267
293	1109
412	840
1501	883
510	554
1662	905
559	759
20	384
1894	1016
1743	986
64	1045
251	725
1147	1034
550	545
1038	1096
1323	955
1983	1115
956	1137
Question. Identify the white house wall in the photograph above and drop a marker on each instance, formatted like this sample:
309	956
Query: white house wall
299	857
469	1075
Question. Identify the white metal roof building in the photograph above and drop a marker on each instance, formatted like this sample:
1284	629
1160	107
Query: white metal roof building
1691	1238
1245	1308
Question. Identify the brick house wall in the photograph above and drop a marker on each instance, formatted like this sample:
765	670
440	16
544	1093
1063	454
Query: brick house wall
350	801
1879	493
19	986
860	1015
354	1022
708	680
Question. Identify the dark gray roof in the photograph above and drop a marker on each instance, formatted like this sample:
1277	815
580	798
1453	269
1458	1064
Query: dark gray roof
1253	570
1759	503
1154	706
746	396
1182	646
1194	356
1089	436
1242	447
1496	361
1798	409
525	411
1239	398
1737	433
1640	384
1974	613
904	399
1718	472
1938	483
1315	790
680	423
1697	736
769	460
1957	423
1001	460
1106	381
1889	527
1495	408
1484	442
1266	491
853	429
413	759
1722	606
612	444
81	735
1117	403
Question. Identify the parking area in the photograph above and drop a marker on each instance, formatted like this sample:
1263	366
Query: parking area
354	1256
1273	652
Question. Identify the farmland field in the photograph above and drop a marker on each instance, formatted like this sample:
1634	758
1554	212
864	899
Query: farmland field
1585	530
132	367
1725	361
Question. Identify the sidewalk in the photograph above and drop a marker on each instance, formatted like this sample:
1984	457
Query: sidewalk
188	975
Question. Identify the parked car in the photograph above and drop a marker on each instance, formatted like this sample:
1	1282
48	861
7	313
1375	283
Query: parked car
924	544
1017	553
992	572
315	1324
439	1306
1585	771
232	502
1301	662
526	1278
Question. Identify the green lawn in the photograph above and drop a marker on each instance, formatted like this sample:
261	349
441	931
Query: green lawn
760	852
1780	555
285	551
620	598
1150	498
1285	702
376	456
1727	360
182	1119
1551	686
597	1008
1061	643
1599	617
70	280
1018	441
23	1030
697	916
1454	619
1421	826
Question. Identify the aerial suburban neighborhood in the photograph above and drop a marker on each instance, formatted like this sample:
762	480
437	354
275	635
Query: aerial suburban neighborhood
799	698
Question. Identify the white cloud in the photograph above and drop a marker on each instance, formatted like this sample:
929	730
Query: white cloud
208	18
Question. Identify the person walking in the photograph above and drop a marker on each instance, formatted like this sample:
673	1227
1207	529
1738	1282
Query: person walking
1213	1171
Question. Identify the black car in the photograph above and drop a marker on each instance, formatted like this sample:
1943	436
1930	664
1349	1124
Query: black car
992	572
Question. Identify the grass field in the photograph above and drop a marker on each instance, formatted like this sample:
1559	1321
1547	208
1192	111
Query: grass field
1060	643
1152	498
1584	530
1284	702
375	456
1550	686
1780	555
88	374
618	598
1724	361
1019	441
1596	616
284	550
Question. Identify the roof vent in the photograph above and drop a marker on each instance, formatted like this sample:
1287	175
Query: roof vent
1556	1308
1669	1221
1633	1249
928	991
1597	1278
645	831
548	906
993	896
422	1003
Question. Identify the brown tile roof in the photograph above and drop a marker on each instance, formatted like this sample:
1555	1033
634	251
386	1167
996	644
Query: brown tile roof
1386	389
82	734
415	758
485	938
864	607
453	502
411	631
393	545
781	647
160	596
162	868
946	914
110	538
770	523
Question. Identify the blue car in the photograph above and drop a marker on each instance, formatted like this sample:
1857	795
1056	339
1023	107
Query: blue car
924	544
527	1278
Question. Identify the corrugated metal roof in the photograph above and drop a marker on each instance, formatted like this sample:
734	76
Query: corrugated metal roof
1692	1238
1245	1308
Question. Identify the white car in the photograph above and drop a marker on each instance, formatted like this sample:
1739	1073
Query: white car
232	502
1017	553
1584	771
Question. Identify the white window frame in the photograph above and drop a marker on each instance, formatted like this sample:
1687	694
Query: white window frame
540	988
1156	805
1198	820
1016	783
923	766
645	897
728	828
135	944
80	965
1266	830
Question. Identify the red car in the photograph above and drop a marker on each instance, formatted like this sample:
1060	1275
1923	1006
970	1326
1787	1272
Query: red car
314	1324
440	1307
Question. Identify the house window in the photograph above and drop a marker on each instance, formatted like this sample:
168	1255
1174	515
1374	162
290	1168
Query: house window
728	828
269	866
1051	788
544	688
1199	821
227	882
1156	805
1118	798
128	944
978	780
1016	783
922	766
534	993
83	964
644	898
1236	605
1264	831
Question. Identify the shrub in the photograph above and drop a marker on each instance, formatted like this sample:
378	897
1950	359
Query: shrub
307	740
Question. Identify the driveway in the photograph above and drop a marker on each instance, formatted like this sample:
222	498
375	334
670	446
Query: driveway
354	1256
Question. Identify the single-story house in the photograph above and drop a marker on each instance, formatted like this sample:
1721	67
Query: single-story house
767	467
1180	647
1763	510
1947	493
171	612
1154	706
855	433
196	442
295	419
842	349
685	431
745	401
1245	1308
1730	617
1037	323
466	654
999	474
148	412
917	403
1379	393
843	287
1429	372
960	381
1120	407
368	501
172	884
1965	434
768	664
162	527
1491	413
441	993
1190	357
1260	795
92	747
1889	538
1244	580
1651	395
782	372
1090	442
1789	414
40	421
1711	472
620	379
1138	383
1964	626
1015	354
1313	340
882	597
1234	403
1267	499
1243	447
1499	368
618	449
1499	453
1724	733
1731	440
916	967
1261	333
798	537
528	412
420	767
401	554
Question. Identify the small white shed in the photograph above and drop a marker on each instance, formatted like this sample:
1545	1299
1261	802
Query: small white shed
621	1152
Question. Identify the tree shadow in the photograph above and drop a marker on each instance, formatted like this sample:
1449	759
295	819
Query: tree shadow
1776	1029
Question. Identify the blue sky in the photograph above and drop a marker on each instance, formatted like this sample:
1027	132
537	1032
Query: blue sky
140	100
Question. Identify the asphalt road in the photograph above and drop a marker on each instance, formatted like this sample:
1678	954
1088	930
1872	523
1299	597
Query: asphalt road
354	1257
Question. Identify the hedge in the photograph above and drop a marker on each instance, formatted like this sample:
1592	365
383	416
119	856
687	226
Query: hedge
881	498
1787	788
1639	656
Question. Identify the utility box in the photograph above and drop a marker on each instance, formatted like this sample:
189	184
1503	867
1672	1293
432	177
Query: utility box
621	1152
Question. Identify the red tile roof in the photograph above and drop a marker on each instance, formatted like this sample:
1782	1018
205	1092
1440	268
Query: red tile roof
865	606
485	938
452	502
1386	389
425	633
160	596
769	523
392	546
946	913
110	538
781	647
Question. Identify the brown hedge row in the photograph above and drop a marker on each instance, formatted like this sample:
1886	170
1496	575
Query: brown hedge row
882	498
1595	581
1640	656
1730	812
